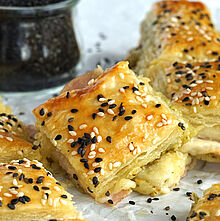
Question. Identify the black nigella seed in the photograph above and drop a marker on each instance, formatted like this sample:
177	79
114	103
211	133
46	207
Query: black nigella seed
158	105
175	64
134	89
34	166
194	214
133	111
176	189
86	165
45	188
87	135
83	152
112	106
67	94
30	180
142	83
212	196
70	128
185	99
104	104
64	196
121	113
110	202
107	193
11	206
15	174
40	179
94	116
70	119
206	102
58	137
101	110
128	117
35	147
177	80
49	114
199	181
26	198
75	177
97	169
98	160
173	218
202	215
149	200
22	200
100	96
14	201
88	188
58	183
131	202
109	139
94	139
125	87
83	160
73	144
8	173
114	118
188	193
74	110
12	168
95	180
36	188
41	112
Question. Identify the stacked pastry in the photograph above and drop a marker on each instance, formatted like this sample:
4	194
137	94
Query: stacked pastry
180	52
27	190
106	132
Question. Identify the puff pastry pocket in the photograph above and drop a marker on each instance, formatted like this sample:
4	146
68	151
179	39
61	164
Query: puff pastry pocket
207	208
29	192
176	30
104	134
15	140
194	88
163	174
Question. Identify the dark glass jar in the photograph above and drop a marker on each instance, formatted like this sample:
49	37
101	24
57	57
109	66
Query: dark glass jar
38	46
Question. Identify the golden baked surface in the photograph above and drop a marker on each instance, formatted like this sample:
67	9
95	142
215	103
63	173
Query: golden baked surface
29	192
15	140
103	129
208	207
180	53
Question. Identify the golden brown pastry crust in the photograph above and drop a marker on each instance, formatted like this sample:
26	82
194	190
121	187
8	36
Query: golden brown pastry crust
207	208
176	30
29	192
15	140
132	124
185	63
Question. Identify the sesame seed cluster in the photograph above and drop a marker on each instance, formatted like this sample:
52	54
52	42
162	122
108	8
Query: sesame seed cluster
14	140
24	183
105	125
194	85
184	32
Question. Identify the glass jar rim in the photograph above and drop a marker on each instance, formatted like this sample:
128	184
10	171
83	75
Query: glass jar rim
28	11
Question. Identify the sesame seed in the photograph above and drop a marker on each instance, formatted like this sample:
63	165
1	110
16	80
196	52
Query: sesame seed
7	194
99	139
74	153
110	111
101	150
101	114
83	126
95	129
149	117
72	133
110	166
